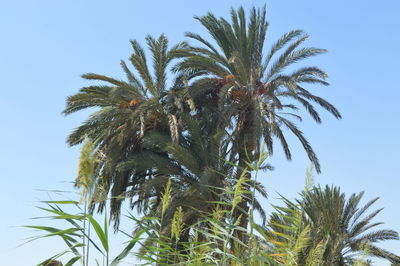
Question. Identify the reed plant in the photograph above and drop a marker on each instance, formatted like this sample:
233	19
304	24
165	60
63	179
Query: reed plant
286	239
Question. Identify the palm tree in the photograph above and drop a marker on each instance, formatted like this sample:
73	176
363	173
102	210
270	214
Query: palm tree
345	227
253	94
126	110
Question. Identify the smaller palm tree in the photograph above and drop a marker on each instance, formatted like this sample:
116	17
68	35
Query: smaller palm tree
344	226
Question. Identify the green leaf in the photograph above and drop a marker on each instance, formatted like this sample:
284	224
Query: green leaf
128	248
100	233
61	202
72	261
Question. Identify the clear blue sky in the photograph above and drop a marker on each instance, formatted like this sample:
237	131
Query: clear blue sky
46	45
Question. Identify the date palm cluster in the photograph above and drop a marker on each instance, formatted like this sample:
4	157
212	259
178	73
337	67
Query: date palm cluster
197	107
222	102
196	115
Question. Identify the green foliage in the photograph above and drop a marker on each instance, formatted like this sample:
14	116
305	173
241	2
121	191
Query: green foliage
347	228
187	153
224	100
291	236
74	234
126	111
253	92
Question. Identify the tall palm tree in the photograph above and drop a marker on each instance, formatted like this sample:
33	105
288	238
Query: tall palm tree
250	90
126	110
338	226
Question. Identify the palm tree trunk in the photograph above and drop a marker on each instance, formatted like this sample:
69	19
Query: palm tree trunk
242	211
246	148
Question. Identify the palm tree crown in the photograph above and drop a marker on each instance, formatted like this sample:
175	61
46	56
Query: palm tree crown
251	87
127	109
344	226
